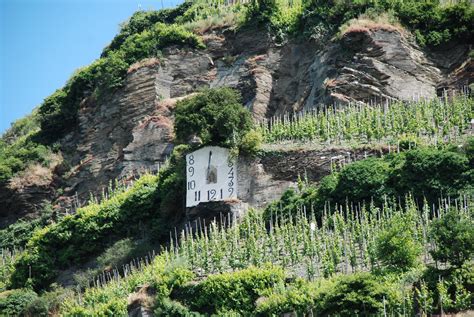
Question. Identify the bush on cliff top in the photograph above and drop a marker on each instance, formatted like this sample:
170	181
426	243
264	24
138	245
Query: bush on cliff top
216	116
58	113
432	23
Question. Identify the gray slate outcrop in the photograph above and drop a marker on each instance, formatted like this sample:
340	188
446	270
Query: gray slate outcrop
131	130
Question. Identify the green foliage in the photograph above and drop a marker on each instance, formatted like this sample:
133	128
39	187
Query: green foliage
355	294
57	113
111	300
469	150
452	288
102	307
6	267
297	296
214	115
205	11
453	235
433	23
122	252
168	307
171	191
76	237
429	173
17	234
399	124
47	304
237	291
397	247
291	201
361	181
21	127
12	303
281	16
251	142
436	24
425	173
261	11
16	156
144	20
360	294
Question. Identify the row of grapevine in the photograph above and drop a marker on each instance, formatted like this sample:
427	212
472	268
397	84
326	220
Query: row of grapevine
344	242
429	120
8	257
341	242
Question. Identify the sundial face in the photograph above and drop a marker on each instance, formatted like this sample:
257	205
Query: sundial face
211	175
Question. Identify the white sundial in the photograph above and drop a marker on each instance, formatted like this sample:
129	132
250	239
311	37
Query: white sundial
211	175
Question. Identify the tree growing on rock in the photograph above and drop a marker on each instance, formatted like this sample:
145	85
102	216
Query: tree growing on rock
216	116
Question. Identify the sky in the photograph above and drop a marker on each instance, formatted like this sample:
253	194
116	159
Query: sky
42	42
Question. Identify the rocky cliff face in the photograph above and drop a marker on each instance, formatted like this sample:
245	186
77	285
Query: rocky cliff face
133	129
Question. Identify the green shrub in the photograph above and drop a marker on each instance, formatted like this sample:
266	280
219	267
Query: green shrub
6	269
437	24
15	157
429	173
121	252
76	237
361	181
453	235
451	288
396	246
295	297
47	304
214	115
425	173
109	308
16	235
12	303
356	294
236	291
433	23
145	20
345	295
171	191
469	150
21	127
251	142
57	114
290	202
261	11
170	308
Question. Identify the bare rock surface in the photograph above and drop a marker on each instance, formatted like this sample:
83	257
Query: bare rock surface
132	129
26	203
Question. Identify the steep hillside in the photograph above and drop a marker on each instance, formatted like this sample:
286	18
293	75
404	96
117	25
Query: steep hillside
350	123
114	117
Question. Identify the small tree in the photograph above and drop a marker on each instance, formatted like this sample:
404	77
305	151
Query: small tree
359	294
362	181
396	246
453	235
216	116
